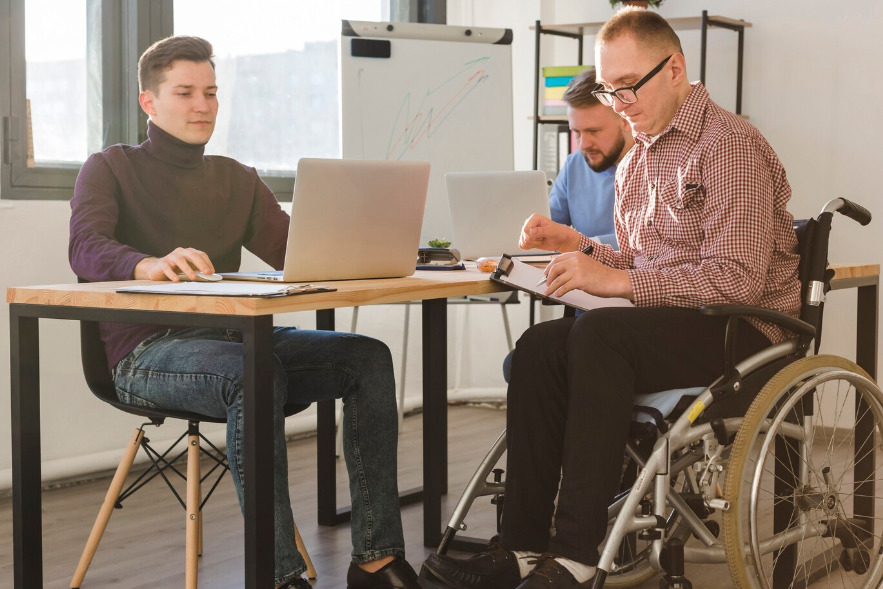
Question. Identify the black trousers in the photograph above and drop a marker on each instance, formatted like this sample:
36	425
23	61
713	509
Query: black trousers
569	409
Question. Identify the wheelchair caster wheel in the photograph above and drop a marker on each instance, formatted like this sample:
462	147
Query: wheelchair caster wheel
713	527
860	562
846	561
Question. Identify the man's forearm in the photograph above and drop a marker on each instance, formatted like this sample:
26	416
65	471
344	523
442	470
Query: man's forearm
97	258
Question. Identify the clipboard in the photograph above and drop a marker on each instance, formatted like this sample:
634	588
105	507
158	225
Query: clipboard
515	273
227	289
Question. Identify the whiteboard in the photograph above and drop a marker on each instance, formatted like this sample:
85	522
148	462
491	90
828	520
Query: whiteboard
444	95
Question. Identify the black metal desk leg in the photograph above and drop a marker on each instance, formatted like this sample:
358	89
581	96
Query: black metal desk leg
326	460
257	338
435	417
865	454
27	519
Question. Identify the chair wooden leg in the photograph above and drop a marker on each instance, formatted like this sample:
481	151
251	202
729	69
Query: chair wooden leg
191	557
113	493
199	519
311	571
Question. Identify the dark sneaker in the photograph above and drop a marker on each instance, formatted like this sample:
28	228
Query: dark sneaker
550	574
396	575
494	569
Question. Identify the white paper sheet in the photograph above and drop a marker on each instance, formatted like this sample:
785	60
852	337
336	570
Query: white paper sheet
224	289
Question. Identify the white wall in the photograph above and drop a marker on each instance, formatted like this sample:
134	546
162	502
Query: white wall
804	63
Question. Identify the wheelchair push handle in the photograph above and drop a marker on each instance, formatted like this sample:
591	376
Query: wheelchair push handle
854	211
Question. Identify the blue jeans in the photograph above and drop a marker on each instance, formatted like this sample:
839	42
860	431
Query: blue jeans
200	370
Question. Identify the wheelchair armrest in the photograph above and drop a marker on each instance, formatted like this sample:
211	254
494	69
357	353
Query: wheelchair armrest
787	321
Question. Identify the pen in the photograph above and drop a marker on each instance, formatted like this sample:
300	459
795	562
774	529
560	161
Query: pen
587	250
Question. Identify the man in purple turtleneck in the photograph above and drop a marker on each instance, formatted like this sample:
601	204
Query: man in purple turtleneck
155	210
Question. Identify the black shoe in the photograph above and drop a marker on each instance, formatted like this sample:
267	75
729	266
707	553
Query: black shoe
398	574
494	569
550	574
296	583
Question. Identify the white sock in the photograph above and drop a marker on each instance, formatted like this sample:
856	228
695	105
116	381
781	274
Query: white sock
581	572
523	558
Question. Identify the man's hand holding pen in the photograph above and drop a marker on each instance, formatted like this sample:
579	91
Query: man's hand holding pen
574	269
579	271
587	250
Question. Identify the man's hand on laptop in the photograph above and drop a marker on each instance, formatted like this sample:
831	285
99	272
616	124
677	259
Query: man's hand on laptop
540	232
184	260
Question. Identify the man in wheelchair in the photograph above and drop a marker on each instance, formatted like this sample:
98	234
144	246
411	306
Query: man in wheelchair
701	219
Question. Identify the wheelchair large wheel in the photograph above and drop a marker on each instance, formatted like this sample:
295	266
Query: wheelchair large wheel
805	481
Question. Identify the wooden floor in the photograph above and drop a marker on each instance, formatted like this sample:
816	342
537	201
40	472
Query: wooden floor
144	543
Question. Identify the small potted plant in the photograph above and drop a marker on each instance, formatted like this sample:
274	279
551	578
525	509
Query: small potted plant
639	3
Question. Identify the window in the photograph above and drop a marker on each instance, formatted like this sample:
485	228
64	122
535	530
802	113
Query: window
276	64
55	56
73	64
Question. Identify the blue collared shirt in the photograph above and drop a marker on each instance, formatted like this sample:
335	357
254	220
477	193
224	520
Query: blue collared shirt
583	199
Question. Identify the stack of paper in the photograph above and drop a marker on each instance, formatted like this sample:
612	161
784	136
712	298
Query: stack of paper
226	289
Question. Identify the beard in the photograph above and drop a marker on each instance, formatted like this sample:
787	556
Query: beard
608	159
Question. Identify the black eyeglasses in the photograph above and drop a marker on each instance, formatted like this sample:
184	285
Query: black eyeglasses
627	94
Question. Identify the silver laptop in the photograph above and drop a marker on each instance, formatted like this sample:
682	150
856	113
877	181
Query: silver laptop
488	210
352	219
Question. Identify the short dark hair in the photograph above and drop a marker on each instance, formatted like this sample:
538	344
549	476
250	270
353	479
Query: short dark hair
579	91
159	57
646	27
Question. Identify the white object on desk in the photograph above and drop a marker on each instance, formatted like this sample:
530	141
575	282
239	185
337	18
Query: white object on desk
488	209
225	289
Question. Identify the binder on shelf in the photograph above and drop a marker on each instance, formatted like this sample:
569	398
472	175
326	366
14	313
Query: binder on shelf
554	147
515	273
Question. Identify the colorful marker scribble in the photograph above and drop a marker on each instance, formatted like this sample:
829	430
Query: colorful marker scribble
409	130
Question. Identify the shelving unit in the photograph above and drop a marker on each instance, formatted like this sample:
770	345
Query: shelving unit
579	31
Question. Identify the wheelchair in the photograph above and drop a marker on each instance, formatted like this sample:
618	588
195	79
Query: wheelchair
785	449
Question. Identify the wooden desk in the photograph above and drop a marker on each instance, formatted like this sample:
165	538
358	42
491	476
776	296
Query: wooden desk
254	317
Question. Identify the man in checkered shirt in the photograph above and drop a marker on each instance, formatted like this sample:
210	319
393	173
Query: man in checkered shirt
700	218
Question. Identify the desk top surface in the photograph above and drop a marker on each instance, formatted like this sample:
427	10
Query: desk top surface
849	271
421	286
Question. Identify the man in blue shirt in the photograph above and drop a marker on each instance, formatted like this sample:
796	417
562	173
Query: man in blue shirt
582	196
